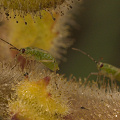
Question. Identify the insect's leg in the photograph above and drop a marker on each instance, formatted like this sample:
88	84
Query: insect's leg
103	77
15	61
54	67
93	73
46	61
99	77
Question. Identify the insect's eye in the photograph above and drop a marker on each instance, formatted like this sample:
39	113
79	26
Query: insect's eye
23	50
101	65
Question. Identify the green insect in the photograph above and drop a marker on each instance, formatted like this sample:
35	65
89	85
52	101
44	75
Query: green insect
104	69
37	54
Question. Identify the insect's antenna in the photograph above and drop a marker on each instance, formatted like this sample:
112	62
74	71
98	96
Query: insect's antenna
85	54
13	47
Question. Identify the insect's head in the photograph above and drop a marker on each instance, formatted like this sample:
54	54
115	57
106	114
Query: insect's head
22	50
99	65
25	50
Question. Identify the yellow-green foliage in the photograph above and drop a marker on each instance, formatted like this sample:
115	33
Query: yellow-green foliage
34	102
39	34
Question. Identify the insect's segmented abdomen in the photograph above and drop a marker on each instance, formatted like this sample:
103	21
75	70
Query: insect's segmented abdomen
43	57
38	54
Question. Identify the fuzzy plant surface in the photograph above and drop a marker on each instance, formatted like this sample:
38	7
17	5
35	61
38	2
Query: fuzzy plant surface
35	102
34	94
